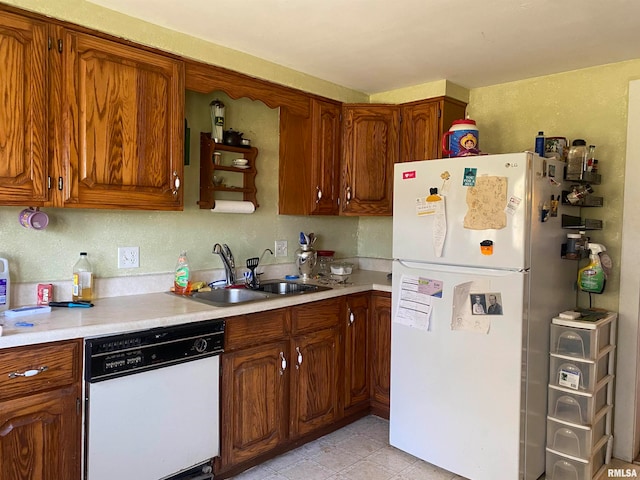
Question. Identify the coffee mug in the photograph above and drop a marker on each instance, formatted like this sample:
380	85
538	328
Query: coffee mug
33	218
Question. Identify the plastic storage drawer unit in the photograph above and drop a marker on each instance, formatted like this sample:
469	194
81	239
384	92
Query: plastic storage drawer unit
581	343
577	440
567	467
578	374
577	407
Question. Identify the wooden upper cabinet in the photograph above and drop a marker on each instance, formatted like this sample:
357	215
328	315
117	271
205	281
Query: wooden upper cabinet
123	126
23	111
325	156
423	124
370	138
310	151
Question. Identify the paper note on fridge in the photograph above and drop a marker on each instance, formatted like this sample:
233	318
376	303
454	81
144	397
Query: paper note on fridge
416	300
485	204
463	314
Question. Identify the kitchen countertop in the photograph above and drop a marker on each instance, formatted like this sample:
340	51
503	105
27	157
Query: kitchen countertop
140	312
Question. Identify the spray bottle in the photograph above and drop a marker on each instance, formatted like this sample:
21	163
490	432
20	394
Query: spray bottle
593	277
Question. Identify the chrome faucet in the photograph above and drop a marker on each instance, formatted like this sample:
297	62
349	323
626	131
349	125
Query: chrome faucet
228	261
262	256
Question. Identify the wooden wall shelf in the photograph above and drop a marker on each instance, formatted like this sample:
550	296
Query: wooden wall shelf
208	169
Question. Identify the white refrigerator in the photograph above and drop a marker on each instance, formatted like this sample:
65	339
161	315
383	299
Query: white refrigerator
477	278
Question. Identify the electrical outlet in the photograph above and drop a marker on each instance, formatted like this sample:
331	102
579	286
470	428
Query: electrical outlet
281	248
128	257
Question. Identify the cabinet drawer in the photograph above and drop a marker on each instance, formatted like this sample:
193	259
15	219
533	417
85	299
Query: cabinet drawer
58	362
255	329
315	316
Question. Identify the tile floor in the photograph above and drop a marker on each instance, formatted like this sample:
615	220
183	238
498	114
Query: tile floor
359	451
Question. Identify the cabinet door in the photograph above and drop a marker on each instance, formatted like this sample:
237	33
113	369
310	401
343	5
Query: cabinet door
356	351
23	112
423	124
371	136
419	132
380	347
123	115
254	401
315	371
325	157
40	437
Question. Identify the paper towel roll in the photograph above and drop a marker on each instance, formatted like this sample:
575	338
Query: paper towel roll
233	206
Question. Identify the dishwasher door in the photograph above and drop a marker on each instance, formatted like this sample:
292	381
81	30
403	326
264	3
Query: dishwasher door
153	424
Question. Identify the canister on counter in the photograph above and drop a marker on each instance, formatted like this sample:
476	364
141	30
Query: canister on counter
45	293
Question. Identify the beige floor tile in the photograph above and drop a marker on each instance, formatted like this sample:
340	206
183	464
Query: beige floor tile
307	470
285	460
335	458
392	458
361	445
367	470
260	472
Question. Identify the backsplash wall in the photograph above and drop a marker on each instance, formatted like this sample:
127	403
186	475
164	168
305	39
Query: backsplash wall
49	255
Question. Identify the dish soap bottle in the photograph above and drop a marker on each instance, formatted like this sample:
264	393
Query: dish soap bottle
82	279
183	275
592	278
5	283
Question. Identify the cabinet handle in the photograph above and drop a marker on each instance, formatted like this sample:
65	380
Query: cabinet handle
352	317
60	183
318	195
283	363
29	373
299	357
176	183
348	195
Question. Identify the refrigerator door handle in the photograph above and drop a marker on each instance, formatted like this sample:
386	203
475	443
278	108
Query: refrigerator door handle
497	272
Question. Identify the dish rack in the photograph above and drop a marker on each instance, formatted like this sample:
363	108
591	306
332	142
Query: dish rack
580	397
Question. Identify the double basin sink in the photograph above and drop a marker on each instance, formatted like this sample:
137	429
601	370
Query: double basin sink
226	297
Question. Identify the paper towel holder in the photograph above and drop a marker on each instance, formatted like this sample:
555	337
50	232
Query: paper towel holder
246	192
233	206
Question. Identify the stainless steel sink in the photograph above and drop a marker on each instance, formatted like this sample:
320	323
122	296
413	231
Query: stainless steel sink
290	288
226	297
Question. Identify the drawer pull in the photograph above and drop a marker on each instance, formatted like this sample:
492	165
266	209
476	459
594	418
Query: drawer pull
29	373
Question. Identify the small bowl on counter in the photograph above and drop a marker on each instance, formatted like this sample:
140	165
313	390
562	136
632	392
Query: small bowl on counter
341	268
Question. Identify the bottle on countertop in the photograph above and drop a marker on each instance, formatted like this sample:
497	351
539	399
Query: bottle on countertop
5	284
183	275
540	144
82	279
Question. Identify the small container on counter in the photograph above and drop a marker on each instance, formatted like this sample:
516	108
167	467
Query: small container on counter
325	259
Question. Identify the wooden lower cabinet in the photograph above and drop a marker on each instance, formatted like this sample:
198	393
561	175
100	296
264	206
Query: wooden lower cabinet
380	346
356	352
316	365
294	373
254	405
280	375
40	415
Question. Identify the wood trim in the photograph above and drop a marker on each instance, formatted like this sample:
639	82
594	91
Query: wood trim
204	78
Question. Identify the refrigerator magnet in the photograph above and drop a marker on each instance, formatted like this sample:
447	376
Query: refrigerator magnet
469	179
486	247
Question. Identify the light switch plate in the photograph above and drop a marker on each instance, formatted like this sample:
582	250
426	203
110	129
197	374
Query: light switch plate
128	257
281	248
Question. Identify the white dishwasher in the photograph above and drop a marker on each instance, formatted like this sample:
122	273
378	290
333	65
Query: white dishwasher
152	403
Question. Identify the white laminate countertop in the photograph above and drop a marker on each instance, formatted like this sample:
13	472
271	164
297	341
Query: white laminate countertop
140	312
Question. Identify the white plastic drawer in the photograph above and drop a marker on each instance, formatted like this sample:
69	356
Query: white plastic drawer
578	342
578	374
577	407
577	440
566	467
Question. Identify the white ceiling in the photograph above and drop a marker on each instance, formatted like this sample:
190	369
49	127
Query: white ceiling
380	45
